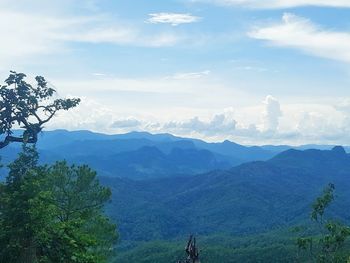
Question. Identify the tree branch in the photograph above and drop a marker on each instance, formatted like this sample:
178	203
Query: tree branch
9	139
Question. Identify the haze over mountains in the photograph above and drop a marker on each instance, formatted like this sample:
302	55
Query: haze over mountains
141	155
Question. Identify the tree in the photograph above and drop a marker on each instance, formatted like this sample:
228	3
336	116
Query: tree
327	245
48	214
53	214
29	107
24	215
81	233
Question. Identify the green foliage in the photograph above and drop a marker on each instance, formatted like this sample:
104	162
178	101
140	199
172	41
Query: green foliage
321	203
248	199
53	214
277	246
327	245
47	214
28	107
274	246
23	213
83	232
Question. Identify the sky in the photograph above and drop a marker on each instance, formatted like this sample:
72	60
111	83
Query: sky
250	71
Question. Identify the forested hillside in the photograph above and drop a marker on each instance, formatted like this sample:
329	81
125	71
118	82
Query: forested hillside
241	213
240	203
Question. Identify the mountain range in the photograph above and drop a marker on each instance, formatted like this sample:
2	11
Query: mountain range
165	187
141	155
250	198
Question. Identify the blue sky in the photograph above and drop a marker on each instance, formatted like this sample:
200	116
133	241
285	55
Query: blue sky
252	71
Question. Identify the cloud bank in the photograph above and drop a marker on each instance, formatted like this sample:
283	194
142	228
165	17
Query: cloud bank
277	123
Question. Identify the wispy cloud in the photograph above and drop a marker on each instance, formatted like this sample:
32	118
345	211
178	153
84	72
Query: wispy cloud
252	68
30	34
276	4
191	75
173	19
130	123
98	74
119	35
302	34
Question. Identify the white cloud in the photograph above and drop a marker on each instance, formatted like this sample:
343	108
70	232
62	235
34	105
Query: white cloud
252	68
344	108
311	123
130	123
219	124
272	113
98	74
279	3
173	19
142	85
300	33
191	75
299	124
172	106
27	34
121	35
89	115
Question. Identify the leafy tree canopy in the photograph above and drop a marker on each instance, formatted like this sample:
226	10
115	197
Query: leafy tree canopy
328	245
29	107
53	214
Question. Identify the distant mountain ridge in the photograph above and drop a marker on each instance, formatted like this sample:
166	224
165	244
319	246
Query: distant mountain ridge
176	155
142	155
